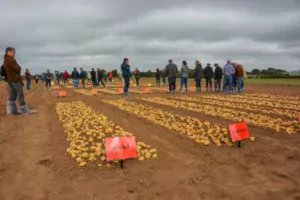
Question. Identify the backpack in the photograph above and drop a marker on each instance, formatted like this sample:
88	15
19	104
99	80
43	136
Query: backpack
3	73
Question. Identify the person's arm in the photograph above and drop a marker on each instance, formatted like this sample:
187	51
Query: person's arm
12	63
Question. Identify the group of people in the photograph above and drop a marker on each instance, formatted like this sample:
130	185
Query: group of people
232	73
11	71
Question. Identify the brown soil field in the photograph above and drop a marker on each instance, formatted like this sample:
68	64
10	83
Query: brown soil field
34	164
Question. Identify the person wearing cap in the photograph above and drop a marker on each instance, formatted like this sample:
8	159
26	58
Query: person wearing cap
14	79
198	75
171	71
137	77
218	77
75	76
208	75
228	71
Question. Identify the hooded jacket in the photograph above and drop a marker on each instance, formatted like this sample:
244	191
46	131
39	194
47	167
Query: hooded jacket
125	70
208	72
198	72
12	70
184	71
218	73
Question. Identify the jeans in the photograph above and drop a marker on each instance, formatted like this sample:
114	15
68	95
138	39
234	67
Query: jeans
234	83
126	84
101	81
137	81
158	81
76	83
208	82
37	81
184	80
217	85
239	84
48	83
227	83
198	83
28	83
172	83
16	92
66	81
164	80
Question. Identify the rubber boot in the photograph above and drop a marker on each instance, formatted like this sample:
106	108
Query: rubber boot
13	110
25	110
8	110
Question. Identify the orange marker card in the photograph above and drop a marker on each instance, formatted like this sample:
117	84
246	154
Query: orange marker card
62	93
238	131
120	148
120	90
192	89
299	118
120	85
147	90
94	92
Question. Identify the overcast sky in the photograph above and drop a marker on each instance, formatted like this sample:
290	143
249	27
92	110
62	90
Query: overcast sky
96	33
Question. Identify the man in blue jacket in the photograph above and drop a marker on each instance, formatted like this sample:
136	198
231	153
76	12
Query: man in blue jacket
126	73
75	76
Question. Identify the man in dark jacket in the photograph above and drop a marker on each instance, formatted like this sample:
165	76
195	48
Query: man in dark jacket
83	77
75	76
208	75
198	76
171	71
14	79
93	77
126	73
218	77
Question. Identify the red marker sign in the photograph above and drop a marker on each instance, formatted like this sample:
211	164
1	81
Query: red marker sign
238	131
299	118
120	148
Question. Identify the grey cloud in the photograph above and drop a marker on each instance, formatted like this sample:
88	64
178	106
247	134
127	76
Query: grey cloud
73	33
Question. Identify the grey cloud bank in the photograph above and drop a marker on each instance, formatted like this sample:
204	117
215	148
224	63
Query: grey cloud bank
65	34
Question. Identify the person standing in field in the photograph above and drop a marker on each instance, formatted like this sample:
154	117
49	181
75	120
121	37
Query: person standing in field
6	91
218	77
48	77
172	72
208	75
126	73
137	77
43	77
245	76
83	77
234	79
198	76
57	77
37	79
14	79
89	77
184	73
66	77
163	77
75	76
100	78
239	73
228	72
157	77
93	77
110	77
28	79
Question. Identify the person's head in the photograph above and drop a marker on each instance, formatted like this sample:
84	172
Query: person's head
234	64
27	70
126	60
98	69
228	61
216	65
184	63
48	71
157	70
208	64
81	68
197	62
93	69
170	60
74	68
65	70
10	51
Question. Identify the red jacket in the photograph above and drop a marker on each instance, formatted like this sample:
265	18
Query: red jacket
66	75
110	75
27	75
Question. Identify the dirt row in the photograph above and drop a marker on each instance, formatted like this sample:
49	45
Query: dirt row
34	164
